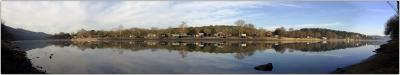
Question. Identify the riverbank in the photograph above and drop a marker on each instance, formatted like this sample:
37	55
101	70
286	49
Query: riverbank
14	61
85	39
385	61
376	64
223	39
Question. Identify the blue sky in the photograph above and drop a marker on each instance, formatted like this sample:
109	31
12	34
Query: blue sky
367	17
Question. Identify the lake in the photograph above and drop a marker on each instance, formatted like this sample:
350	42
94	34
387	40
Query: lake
193	57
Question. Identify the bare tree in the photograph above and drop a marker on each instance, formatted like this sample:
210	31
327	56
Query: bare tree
240	24
182	27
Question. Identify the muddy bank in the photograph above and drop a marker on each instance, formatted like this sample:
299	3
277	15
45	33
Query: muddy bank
15	62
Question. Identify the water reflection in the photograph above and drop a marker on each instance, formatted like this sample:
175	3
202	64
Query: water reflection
122	56
240	48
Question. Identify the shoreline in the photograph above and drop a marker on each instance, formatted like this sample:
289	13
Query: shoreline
385	61
375	64
16	62
217	39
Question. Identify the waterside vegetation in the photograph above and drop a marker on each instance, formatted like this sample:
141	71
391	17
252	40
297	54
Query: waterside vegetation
240	31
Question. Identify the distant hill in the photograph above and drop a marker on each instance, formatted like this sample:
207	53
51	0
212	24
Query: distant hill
386	38
9	33
5	34
329	33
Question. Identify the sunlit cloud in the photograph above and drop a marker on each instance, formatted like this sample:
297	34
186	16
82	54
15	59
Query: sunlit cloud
334	25
70	16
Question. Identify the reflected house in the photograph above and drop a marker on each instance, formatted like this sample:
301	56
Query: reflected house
150	57
151	43
175	43
219	45
241	49
199	44
183	43
162	43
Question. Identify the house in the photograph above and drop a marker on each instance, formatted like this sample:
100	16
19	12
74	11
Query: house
201	35
243	35
175	35
219	45
324	38
151	36
179	35
220	34
276	36
243	45
164	36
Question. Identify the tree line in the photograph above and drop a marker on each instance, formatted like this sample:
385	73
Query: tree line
241	29
319	33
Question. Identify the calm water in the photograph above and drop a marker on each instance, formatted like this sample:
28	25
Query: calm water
194	57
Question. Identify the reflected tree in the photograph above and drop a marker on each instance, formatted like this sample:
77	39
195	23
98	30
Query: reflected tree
240	49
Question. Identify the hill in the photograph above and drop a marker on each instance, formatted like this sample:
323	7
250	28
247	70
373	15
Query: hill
327	33
10	33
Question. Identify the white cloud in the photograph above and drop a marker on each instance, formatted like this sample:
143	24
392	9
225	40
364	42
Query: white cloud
70	16
334	25
44	16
